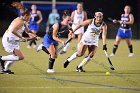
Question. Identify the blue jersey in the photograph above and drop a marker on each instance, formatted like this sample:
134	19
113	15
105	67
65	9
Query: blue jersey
34	17
124	31
60	30
125	19
33	25
48	40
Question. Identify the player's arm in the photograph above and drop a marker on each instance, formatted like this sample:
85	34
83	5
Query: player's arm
72	15
71	33
84	23
85	15
16	26
40	17
104	33
131	20
54	35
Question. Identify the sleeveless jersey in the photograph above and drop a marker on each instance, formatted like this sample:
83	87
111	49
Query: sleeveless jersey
78	18
91	36
34	17
60	30
125	19
20	31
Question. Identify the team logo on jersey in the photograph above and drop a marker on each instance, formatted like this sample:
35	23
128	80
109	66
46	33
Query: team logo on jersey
94	32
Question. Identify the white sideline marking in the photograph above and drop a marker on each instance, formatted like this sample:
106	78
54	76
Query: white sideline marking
53	87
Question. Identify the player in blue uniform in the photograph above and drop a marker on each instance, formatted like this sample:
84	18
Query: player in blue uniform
124	31
51	39
36	18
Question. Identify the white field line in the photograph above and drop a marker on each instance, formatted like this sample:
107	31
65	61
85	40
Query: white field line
57	87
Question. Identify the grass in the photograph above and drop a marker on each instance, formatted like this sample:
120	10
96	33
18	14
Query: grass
30	73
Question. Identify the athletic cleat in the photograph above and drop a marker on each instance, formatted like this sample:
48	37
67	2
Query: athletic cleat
6	72
28	46
66	63
34	46
80	69
131	55
62	52
112	55
50	71
39	48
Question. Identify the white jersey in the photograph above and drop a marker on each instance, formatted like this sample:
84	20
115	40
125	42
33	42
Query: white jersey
91	36
11	41
78	18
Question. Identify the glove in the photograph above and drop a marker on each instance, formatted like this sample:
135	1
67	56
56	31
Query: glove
104	47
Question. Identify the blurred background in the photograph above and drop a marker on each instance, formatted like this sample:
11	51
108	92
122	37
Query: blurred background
110	8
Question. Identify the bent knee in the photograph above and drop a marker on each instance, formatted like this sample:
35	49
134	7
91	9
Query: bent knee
21	57
80	54
54	56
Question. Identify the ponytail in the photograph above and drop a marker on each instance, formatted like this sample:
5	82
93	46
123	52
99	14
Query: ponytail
18	5
66	13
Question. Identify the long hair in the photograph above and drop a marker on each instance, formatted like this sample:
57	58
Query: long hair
66	13
18	5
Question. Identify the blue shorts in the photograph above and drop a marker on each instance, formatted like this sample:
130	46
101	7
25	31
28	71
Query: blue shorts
33	26
124	33
47	41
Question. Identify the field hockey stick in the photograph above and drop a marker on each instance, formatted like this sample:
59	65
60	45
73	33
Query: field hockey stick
59	49
29	39
111	65
110	19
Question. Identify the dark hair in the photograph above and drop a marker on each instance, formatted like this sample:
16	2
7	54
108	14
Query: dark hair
66	13
129	7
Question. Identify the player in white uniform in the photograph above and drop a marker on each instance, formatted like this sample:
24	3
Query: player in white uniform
77	16
89	40
11	39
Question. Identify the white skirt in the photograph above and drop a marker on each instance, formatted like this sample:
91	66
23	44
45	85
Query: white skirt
89	41
10	42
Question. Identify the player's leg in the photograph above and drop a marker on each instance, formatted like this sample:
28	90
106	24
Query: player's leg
129	43
80	52
42	47
33	41
115	47
92	50
79	37
17	55
51	50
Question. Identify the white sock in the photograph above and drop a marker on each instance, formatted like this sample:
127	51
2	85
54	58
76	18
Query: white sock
10	58
8	64
84	62
72	57
66	47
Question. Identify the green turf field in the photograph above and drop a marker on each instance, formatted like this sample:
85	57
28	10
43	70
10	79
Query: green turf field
31	77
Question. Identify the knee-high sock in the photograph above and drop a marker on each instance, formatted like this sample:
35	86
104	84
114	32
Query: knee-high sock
130	48
34	41
51	63
66	47
10	58
72	57
84	62
8	65
30	43
115	49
